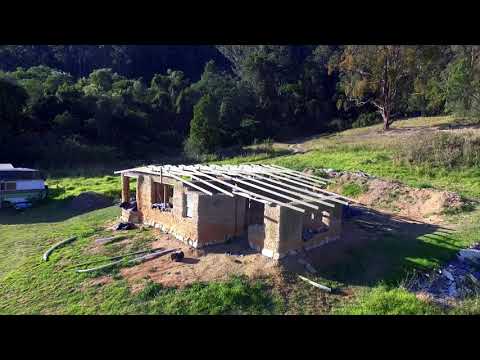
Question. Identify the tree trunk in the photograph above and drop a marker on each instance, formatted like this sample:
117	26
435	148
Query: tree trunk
386	120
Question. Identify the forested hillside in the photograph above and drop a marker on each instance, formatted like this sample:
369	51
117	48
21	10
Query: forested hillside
72	104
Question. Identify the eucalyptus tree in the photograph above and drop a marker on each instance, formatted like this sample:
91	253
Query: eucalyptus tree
380	75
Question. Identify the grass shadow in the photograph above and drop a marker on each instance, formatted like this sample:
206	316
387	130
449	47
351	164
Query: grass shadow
47	211
367	256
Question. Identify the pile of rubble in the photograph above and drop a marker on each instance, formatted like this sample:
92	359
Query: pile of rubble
337	173
457	280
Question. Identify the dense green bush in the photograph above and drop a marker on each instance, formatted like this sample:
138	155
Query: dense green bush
441	150
274	91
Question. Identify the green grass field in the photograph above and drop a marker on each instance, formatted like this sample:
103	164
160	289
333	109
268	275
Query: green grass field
30	286
366	150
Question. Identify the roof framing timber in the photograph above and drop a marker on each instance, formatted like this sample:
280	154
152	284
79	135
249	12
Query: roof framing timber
296	187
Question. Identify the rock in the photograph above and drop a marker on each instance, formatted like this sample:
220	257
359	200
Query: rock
177	256
472	255
474	280
452	290
448	275
124	226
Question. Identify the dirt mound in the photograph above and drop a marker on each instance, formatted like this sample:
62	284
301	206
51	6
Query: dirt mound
393	196
89	201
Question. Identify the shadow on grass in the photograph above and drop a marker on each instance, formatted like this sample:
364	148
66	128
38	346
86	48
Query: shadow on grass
462	123
50	210
384	252
375	247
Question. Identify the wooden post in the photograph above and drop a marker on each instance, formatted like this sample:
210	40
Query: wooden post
125	188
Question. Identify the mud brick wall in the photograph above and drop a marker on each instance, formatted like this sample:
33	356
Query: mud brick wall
256	236
125	181
130	216
254	212
183	228
214	219
332	218
272	230
220	217
281	233
291	225
317	220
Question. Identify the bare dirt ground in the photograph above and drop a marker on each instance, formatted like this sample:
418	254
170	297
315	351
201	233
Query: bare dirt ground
213	264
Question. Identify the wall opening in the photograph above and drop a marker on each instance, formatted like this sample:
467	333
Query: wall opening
187	205
254	213
162	196
314	223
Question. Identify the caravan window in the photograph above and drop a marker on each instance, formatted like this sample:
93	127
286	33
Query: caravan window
10	186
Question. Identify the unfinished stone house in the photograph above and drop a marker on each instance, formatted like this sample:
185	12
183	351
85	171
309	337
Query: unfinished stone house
279	211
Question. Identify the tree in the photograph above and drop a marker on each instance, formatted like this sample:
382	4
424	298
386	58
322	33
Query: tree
235	100
462	84
380	75
427	96
13	99
205	127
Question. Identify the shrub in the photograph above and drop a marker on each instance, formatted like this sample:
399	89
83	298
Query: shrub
441	150
338	124
354	189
